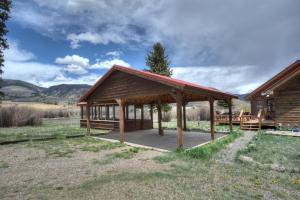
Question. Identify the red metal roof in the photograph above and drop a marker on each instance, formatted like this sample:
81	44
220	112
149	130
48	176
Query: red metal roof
287	72
155	77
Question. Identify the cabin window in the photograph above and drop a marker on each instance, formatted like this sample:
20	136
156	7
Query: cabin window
111	112
259	105
270	105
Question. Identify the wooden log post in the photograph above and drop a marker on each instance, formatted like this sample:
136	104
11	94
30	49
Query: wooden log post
127	112
230	115
159	117
134	115
81	112
88	120
121	103
184	115
99	116
178	97
114	113
212	118
151	114
142	117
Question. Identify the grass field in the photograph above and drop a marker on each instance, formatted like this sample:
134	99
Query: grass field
57	127
85	168
280	150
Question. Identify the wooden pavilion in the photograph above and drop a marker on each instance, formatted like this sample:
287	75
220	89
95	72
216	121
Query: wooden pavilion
106	105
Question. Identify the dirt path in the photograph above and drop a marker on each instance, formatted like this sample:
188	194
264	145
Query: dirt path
227	155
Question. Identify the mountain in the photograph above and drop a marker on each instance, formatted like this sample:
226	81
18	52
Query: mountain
16	90
242	96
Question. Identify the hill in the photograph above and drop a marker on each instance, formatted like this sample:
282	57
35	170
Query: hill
16	90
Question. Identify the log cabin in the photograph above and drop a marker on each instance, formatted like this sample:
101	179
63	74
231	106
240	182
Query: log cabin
279	99
106	104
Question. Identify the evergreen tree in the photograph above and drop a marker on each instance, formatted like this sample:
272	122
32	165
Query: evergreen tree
158	62
5	6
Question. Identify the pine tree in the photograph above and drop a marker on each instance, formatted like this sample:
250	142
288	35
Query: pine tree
158	62
5	6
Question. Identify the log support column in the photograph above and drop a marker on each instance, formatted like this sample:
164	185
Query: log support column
88	120
81	112
159	117
121	103
142	117
184	115
230	115
178	97
151	114
212	118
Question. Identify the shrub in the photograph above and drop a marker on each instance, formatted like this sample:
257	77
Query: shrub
19	116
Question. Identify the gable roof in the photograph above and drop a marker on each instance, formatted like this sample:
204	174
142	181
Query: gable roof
179	84
278	79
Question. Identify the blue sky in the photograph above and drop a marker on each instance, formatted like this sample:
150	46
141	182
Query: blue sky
233	46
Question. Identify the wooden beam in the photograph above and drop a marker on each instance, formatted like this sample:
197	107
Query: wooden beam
159	117
212	118
121	103
230	115
88	119
184	115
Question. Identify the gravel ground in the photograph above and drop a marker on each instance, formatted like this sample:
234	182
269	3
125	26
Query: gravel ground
31	166
228	154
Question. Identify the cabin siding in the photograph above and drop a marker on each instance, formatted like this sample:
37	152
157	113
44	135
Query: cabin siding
122	85
287	101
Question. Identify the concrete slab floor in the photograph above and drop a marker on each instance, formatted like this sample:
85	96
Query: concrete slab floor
168	141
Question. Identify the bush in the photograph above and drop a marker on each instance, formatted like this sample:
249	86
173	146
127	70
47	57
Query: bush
19	116
55	114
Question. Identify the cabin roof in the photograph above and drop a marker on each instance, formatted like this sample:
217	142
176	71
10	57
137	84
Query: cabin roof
279	78
179	84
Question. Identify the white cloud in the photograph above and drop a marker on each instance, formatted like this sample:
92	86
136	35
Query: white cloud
33	72
74	64
14	53
73	60
115	54
106	64
95	38
227	78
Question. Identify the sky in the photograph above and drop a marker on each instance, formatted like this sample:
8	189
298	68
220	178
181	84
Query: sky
231	45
